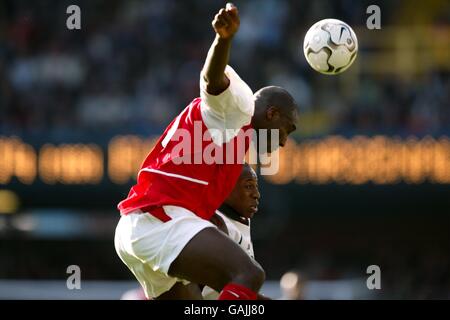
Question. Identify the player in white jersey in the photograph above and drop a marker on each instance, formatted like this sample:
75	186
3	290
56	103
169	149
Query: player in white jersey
237	212
233	218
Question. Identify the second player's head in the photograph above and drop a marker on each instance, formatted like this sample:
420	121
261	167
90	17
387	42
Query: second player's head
245	196
276	109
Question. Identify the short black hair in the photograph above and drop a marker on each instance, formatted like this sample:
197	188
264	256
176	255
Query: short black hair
276	97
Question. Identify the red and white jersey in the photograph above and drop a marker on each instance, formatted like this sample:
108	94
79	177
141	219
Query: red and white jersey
176	171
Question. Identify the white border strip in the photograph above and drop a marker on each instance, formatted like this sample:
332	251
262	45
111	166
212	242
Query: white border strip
175	176
171	132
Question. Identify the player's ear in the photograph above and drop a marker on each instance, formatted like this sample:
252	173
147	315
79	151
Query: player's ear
272	113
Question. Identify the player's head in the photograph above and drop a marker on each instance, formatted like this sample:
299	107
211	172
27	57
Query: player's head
245	196
275	108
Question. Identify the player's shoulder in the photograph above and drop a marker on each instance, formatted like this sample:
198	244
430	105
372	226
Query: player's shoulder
192	111
238	91
219	221
236	79
232	230
231	73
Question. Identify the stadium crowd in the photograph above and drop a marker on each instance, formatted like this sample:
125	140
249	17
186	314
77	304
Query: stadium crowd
135	64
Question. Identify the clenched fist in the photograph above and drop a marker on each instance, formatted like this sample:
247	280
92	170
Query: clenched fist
226	22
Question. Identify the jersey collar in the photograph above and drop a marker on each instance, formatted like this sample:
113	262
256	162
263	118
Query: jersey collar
233	214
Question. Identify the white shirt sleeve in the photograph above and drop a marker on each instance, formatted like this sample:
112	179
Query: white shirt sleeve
232	109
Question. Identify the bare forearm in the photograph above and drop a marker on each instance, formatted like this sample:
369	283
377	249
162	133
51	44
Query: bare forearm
225	24
215	64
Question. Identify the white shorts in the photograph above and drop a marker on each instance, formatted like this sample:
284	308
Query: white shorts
148	246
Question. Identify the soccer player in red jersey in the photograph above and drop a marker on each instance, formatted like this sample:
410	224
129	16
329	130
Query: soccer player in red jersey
164	235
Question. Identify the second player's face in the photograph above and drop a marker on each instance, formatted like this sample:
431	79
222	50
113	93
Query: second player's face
245	196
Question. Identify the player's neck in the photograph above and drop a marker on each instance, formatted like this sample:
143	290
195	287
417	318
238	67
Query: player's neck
231	213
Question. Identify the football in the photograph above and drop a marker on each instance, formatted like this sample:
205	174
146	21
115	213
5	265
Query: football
330	46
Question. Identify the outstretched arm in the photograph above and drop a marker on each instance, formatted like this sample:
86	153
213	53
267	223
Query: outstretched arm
225	24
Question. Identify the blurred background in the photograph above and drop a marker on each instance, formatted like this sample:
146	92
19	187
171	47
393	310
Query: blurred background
364	181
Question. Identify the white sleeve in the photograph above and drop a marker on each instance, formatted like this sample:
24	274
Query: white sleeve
232	109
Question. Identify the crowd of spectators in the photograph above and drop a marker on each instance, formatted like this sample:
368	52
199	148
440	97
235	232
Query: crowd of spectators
135	64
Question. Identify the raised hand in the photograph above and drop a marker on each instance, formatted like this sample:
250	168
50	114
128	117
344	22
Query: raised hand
226	22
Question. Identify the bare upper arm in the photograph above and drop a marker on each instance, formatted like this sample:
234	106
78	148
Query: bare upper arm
216	88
